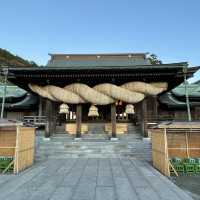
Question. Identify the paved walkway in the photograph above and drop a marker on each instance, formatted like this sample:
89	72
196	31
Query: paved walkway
90	179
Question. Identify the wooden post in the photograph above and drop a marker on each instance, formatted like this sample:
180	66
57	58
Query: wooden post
54	117
78	120
113	120
187	145
155	108
47	130
197	112
48	108
40	107
167	170
144	118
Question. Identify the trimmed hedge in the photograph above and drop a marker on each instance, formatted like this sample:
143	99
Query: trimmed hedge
186	165
4	162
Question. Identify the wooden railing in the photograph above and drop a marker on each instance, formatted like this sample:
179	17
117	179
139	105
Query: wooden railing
35	120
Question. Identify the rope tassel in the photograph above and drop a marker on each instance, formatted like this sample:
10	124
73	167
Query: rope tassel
93	111
64	108
129	109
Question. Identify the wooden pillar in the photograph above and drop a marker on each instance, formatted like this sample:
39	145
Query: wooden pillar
113	120
78	120
196	113
155	108
40	107
49	116
144	119
54	117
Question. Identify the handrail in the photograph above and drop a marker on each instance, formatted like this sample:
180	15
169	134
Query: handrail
35	120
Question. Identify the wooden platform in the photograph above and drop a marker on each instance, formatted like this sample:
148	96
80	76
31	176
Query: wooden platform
179	125
121	128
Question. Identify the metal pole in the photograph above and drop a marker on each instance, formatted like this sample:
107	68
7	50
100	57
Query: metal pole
186	95
4	92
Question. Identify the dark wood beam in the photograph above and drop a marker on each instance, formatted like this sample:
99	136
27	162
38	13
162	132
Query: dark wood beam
144	118
113	120
40	106
155	107
49	116
78	120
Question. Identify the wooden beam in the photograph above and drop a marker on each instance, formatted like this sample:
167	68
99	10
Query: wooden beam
40	106
49	116
113	120
144	118
155	108
78	120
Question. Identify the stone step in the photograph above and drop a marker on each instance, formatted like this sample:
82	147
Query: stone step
144	154
91	154
75	149
94	144
103	144
102	148
60	141
88	150
99	128
94	138
94	155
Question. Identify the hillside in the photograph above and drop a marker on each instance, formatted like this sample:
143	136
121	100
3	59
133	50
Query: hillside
9	59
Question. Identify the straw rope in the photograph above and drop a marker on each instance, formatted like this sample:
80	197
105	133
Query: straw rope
102	94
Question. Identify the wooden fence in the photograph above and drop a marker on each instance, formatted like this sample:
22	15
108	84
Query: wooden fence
174	140
18	142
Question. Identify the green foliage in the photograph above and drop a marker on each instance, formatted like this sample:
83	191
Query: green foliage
8	59
154	59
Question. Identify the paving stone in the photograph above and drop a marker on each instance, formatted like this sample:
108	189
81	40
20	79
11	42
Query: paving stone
147	193
160	186
47	189
86	180
62	193
105	181
71	179
90	179
174	190
11	186
105	193
84	192
6	178
124	190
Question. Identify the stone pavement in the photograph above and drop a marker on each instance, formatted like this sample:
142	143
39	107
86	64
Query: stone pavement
90	179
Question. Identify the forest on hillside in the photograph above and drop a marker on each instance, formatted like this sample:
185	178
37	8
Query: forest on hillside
9	59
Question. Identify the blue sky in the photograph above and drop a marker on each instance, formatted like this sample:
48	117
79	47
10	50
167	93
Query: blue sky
168	28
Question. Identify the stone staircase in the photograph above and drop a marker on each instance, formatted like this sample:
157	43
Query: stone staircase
96	128
60	129
94	145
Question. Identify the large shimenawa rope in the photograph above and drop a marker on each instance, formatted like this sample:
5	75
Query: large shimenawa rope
102	94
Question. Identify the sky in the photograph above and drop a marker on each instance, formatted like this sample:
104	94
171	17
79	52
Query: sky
168	28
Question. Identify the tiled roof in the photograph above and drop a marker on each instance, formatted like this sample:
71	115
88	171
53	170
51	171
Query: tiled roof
96	63
193	90
12	91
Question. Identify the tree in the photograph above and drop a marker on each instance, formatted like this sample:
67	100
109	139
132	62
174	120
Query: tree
9	59
154	59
